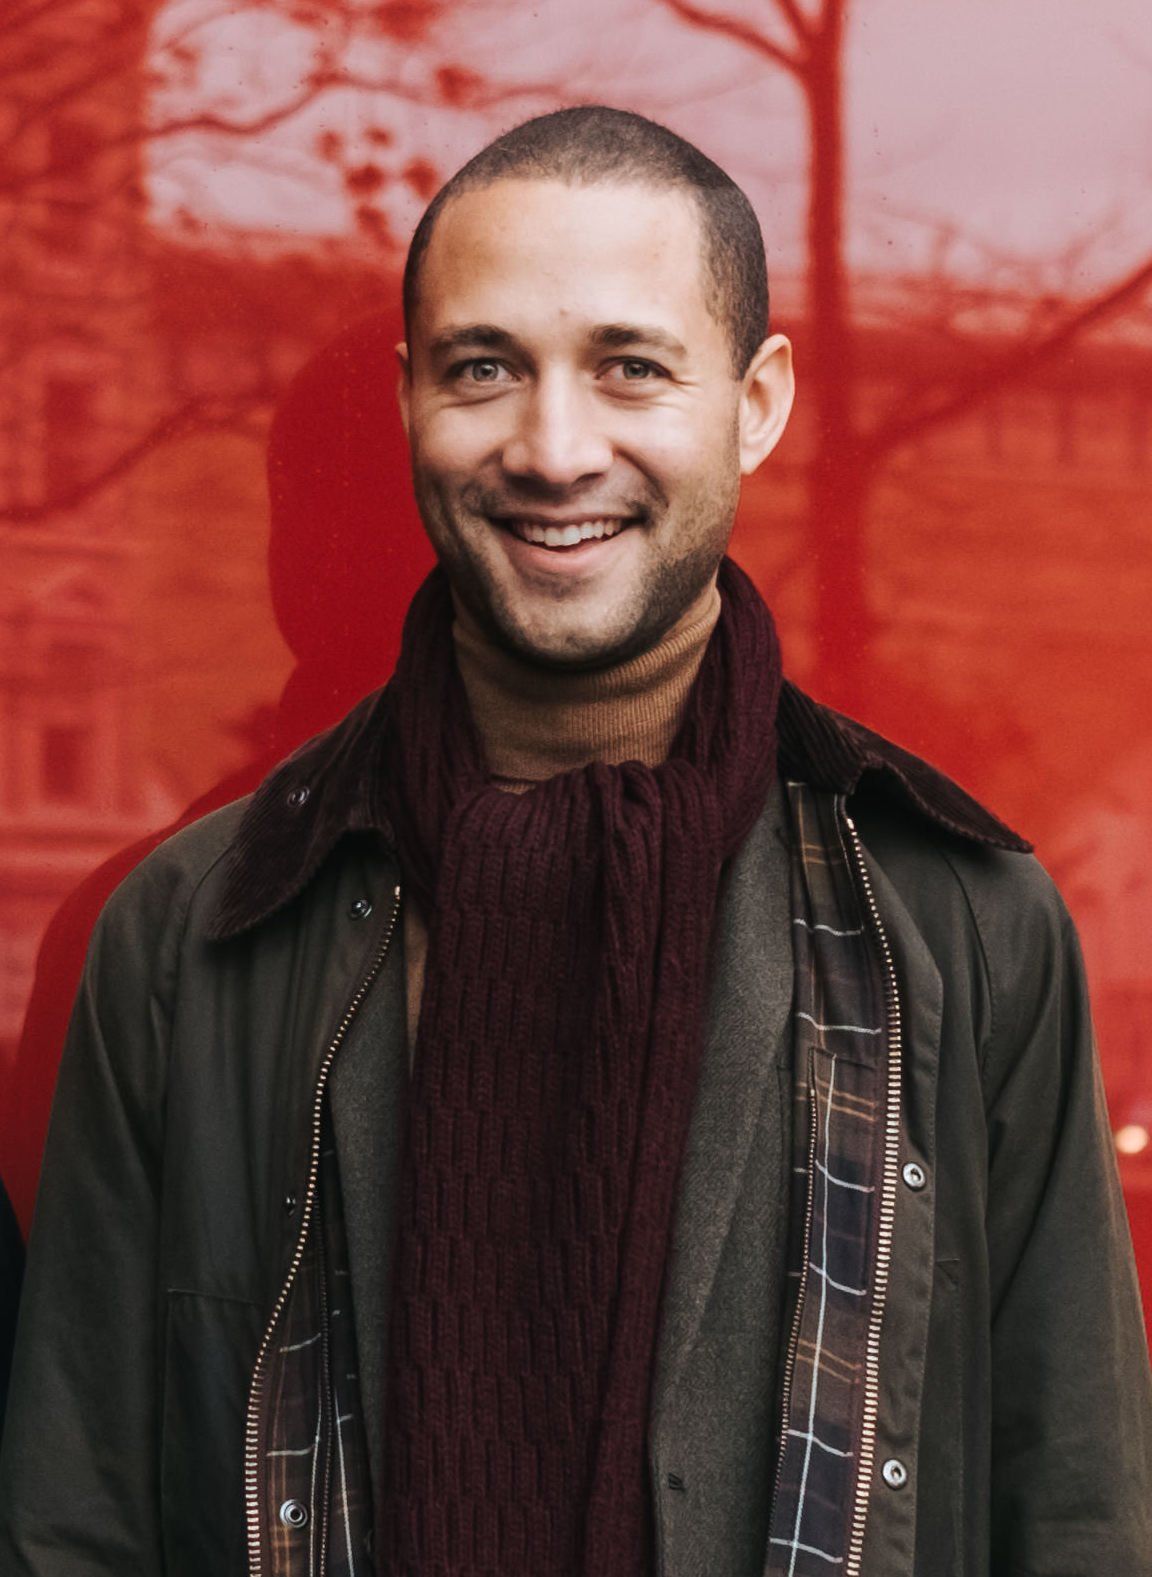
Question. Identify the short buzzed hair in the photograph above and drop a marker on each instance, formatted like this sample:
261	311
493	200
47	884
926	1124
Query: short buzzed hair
593	143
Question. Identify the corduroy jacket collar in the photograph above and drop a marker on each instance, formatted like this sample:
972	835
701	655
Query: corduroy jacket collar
328	788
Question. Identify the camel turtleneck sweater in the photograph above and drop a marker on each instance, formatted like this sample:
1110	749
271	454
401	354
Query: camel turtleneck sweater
534	723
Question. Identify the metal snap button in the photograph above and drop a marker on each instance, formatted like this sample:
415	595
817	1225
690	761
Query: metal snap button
289	1203
915	1176
299	795
360	908
294	1514
894	1473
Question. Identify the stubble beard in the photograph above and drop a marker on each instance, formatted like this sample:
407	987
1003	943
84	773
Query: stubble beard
667	592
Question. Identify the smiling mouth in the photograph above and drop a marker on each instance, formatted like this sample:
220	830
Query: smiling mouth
563	534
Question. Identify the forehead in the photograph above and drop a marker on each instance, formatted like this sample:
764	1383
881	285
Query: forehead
542	256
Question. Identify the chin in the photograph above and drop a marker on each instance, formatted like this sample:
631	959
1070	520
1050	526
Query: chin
577	650
580	648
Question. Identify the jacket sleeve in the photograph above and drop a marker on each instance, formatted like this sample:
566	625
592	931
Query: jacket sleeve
79	1475
1072	1401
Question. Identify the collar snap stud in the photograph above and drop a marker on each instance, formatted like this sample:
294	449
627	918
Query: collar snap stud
360	908
914	1176
298	796
294	1514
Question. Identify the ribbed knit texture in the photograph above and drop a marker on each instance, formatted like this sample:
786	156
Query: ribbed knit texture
555	1070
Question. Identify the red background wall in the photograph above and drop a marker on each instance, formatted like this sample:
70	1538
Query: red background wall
954	535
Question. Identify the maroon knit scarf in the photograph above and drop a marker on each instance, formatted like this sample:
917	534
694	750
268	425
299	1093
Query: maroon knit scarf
555	1068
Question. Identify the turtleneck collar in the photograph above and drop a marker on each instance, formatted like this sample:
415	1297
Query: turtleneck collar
535	723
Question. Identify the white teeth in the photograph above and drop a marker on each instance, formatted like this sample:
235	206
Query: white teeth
565	536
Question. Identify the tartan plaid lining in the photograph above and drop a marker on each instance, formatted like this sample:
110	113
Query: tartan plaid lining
318	1453
840	1058
350	1500
317	1446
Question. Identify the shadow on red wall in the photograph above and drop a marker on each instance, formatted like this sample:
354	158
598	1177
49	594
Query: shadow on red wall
346	553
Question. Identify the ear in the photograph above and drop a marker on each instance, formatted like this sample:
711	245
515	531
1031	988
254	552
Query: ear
404	384
766	394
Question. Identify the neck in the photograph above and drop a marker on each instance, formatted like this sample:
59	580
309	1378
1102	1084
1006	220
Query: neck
534	722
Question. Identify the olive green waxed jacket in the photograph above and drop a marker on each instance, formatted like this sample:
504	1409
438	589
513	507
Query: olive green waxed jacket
1013	1429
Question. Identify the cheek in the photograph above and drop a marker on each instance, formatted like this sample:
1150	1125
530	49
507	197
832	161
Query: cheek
456	441
683	454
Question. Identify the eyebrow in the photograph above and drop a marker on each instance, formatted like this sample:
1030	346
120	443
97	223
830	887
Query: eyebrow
479	336
619	336
607	336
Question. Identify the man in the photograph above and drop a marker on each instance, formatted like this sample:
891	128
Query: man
594	1110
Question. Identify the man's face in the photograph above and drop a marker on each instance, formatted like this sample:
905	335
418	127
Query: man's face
576	427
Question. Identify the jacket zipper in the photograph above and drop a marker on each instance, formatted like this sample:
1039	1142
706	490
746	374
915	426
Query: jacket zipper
798	1308
887	1213
328	1409
252	1475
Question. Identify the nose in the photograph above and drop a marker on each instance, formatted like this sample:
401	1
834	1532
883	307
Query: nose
558	439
